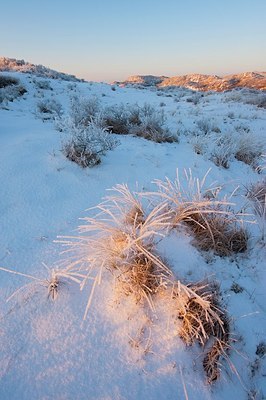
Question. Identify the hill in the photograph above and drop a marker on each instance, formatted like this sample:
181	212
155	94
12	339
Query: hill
200	82
12	64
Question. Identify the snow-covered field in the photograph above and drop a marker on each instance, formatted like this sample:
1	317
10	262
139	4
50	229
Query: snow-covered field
123	350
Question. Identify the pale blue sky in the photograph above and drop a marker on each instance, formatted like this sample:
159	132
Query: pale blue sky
110	39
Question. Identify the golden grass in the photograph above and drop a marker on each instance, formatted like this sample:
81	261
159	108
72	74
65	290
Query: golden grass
221	233
142	279
213	225
202	320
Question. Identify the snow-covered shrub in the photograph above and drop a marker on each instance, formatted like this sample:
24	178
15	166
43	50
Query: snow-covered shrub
49	109
247	96
152	129
7	81
116	119
84	145
217	146
83	110
220	232
151	125
194	99
249	148
10	89
205	126
199	144
223	149
71	86
144	121
10	93
43	84
256	194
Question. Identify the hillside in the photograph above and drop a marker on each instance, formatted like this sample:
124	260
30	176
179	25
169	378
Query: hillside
154	290
12	64
200	82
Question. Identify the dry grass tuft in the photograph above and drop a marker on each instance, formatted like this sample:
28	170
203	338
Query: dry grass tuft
142	279
197	308
121	238
54	280
257	194
211	362
214	226
202	321
219	232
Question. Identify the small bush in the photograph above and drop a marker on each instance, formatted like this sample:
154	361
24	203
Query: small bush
83	110
247	96
10	93
7	81
224	148
195	99
116	119
257	194
205	126
151	126
43	84
143	121
85	146
151	129
221	157
249	149
199	144
49	109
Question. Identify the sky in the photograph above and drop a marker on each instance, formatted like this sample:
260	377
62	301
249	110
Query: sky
108	40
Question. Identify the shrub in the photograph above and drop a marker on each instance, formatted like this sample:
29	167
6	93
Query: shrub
151	126
256	194
199	144
7	81
116	119
49	109
142	121
247	96
10	93
85	146
43	84
83	110
205	126
249	149
194	99
221	156
223	149
10	89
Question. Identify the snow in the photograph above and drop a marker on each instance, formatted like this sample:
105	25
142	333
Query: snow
121	351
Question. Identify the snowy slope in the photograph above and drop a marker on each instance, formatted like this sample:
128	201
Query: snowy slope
47	350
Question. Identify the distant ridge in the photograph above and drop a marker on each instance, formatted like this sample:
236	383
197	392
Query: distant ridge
12	64
201	82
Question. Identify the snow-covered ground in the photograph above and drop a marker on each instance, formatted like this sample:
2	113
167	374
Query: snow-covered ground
47	351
